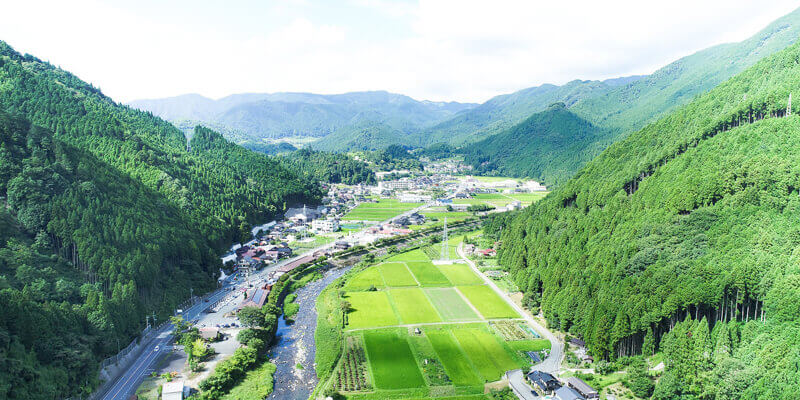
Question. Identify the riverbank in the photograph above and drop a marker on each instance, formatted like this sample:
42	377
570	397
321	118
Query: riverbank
295	346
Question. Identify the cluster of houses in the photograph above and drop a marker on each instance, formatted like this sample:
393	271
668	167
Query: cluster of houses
539	383
510	185
406	220
472	250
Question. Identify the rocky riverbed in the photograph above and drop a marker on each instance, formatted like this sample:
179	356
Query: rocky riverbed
295	344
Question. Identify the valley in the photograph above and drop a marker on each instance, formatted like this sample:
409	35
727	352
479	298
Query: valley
303	230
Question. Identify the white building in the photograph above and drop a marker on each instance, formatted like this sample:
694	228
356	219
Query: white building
172	391
325	225
534	186
400	184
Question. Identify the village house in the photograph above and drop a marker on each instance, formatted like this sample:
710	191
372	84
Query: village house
543	382
567	393
583	388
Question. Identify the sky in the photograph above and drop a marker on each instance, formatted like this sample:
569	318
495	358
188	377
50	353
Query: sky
440	50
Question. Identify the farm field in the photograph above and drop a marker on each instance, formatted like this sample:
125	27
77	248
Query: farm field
460	274
413	306
391	361
487	355
460	369
382	210
488	303
370	309
428	331
427	274
451	305
396	274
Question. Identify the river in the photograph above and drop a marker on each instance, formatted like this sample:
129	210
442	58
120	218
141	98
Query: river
295	344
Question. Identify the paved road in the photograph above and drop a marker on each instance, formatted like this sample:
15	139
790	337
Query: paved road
553	360
128	381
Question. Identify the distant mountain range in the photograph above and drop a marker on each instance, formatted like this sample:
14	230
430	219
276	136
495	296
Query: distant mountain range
254	116
614	108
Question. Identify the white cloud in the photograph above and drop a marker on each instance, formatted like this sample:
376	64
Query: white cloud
465	50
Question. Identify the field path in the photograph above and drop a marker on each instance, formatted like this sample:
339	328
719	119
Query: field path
553	361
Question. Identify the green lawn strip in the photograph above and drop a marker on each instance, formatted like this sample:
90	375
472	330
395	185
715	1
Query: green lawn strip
391	361
257	384
460	274
456	363
413	306
485	351
395	274
488	303
370	309
450	304
427	274
366	278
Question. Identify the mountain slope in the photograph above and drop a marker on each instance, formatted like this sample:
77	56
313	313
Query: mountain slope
252	117
149	149
109	219
365	135
544	147
623	106
505	111
85	253
692	217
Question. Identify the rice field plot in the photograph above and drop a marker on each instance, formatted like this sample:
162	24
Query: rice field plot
396	274
370	310
460	274
413	306
488	303
391	361
364	279
427	274
382	210
413	255
458	367
488	356
450	305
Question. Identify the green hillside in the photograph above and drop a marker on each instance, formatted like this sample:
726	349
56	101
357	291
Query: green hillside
111	217
505	111
85	253
693	217
366	135
544	147
151	150
618	107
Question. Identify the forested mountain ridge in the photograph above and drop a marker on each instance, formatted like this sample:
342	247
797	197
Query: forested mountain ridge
544	146
85	253
503	112
618	107
150	149
109	218
252	117
692	217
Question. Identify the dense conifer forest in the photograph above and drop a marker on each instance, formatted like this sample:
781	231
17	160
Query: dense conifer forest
109	215
691	219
